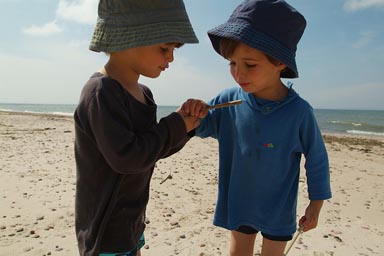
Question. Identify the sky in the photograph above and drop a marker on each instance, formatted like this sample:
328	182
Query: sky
44	56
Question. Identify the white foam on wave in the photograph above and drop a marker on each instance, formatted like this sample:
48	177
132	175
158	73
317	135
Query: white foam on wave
365	132
37	112
6	110
62	114
347	123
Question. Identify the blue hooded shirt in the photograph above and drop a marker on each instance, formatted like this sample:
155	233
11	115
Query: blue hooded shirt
260	147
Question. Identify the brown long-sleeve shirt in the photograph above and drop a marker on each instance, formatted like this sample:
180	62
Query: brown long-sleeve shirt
118	141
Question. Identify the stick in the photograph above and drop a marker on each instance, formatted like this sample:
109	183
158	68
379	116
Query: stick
168	177
300	231
227	104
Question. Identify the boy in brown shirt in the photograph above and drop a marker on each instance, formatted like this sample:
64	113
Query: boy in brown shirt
118	138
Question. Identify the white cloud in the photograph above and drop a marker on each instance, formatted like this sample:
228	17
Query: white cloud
355	5
81	11
47	29
365	38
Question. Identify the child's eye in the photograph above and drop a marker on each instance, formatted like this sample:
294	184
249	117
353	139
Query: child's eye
251	65
164	49
232	63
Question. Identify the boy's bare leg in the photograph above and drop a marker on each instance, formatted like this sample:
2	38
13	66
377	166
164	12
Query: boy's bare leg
242	244
272	248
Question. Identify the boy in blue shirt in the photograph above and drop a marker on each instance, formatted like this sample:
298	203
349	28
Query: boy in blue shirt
261	141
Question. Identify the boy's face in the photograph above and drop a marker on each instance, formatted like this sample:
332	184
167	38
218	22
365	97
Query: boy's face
252	70
149	61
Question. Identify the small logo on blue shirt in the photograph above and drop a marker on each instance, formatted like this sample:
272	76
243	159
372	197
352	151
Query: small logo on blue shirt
269	145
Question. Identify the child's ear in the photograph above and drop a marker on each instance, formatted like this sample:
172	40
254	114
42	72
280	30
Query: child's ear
281	66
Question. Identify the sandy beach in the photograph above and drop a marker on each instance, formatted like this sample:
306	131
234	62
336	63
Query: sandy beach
38	178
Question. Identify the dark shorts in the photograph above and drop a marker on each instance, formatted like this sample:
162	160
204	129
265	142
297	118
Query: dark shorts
250	231
130	253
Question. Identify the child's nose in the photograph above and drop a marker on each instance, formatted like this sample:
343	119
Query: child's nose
170	56
238	72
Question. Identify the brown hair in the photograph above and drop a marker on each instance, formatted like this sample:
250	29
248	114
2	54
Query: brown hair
228	46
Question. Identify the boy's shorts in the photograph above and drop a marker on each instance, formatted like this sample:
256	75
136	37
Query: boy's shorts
249	231
130	253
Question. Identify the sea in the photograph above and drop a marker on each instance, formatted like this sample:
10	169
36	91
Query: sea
359	122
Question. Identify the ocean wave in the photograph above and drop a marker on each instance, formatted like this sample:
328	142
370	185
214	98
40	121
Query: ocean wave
37	112
346	123
6	110
62	114
365	132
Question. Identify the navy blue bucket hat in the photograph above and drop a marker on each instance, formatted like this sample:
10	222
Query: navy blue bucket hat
271	26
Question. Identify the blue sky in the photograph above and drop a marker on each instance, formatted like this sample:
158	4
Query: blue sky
44	56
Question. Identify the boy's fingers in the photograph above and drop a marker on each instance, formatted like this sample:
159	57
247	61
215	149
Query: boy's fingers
309	224
303	222
196	108
186	107
203	112
201	109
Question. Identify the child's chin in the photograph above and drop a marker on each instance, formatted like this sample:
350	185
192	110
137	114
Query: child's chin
246	89
152	75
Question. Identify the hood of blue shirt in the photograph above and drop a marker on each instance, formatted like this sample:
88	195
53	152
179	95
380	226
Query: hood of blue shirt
267	106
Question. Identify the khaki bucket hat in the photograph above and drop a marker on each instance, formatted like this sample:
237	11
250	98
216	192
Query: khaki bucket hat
123	24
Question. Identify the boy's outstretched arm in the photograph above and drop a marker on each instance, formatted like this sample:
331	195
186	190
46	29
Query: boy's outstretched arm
311	217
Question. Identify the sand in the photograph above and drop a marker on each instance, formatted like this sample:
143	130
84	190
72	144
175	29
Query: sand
38	178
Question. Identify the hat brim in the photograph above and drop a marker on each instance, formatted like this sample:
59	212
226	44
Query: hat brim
111	38
242	32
